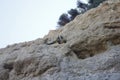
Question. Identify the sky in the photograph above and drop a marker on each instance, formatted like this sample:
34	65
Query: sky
26	20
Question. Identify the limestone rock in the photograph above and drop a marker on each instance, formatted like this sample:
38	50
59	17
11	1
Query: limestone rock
88	48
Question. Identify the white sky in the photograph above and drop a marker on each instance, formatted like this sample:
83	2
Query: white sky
25	20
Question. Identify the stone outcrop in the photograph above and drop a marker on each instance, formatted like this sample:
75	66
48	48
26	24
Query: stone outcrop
88	48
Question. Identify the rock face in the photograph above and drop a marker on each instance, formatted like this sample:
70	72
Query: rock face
88	48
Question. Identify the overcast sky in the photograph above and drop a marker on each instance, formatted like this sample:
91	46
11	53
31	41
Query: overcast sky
25	20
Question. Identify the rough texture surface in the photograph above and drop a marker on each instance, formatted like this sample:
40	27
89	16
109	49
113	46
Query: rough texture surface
88	48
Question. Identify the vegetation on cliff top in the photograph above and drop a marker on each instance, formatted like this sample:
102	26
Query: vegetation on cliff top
80	9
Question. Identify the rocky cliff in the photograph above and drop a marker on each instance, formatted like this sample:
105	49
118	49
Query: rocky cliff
88	48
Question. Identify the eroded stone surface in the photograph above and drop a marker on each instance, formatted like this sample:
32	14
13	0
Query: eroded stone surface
88	50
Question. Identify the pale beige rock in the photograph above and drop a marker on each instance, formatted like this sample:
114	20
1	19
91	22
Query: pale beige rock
88	48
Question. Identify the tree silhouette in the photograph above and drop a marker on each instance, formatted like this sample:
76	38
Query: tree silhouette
82	5
94	3
73	13
90	1
63	19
